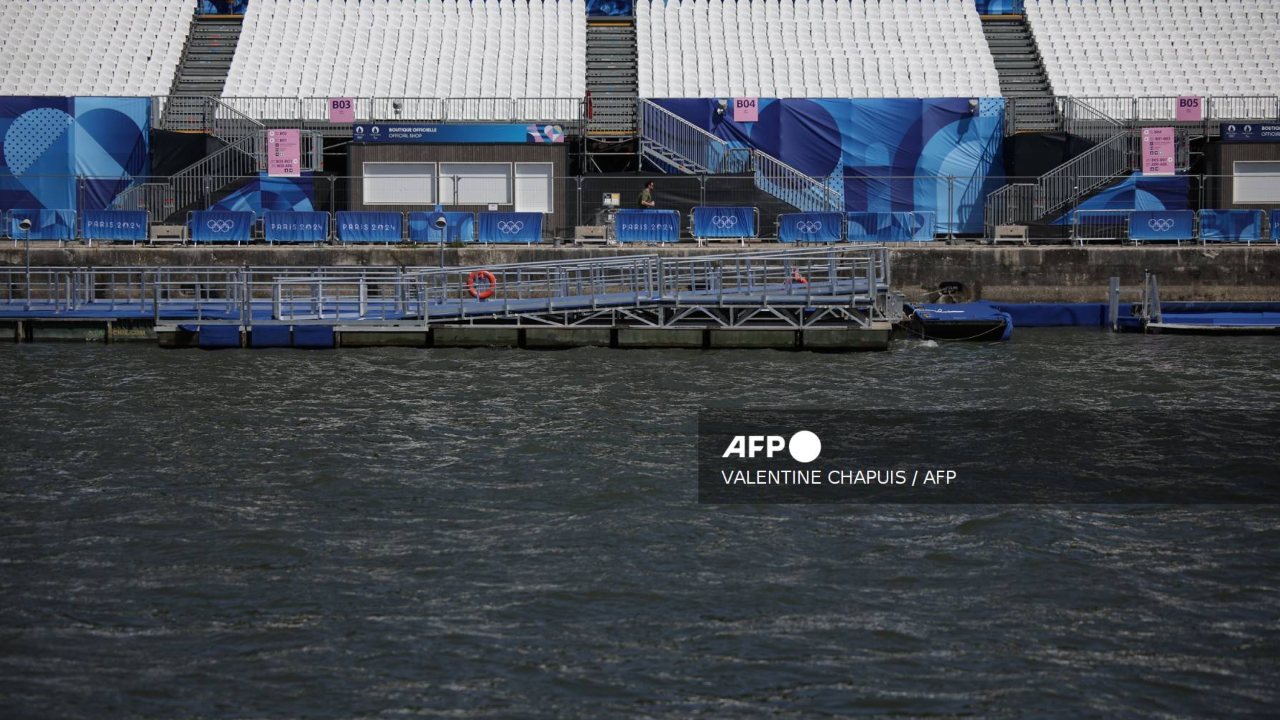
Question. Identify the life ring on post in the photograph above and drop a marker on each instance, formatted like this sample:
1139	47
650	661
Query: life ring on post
487	277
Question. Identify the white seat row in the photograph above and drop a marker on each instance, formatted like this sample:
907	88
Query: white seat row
411	49
813	48
1135	48
92	47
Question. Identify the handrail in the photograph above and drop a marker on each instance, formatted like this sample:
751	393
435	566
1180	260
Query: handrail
691	145
802	191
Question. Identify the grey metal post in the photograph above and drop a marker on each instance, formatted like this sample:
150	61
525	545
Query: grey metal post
1113	303
951	209
26	232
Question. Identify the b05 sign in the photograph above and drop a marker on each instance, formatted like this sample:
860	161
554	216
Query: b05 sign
1190	108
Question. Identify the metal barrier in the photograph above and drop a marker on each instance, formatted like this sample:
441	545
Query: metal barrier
1090	225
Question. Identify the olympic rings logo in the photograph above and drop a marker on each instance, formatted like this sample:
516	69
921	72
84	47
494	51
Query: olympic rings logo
724	221
1160	224
510	227
808	227
220	226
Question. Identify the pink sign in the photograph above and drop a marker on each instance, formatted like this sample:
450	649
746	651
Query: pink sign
284	153
1190	108
746	109
1158	151
342	110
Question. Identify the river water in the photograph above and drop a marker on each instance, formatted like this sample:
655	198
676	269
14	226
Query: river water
480	533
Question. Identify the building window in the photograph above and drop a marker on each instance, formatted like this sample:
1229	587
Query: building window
475	183
399	183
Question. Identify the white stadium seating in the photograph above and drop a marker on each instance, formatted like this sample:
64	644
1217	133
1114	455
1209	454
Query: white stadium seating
411	49
1136	48
813	48
92	47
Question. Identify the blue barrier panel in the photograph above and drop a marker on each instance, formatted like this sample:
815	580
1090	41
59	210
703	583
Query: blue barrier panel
220	226
891	226
115	225
270	336
368	227
219	336
647	226
1275	226
295	227
45	224
1161	225
313	336
510	227
1230	225
724	222
459	226
810	227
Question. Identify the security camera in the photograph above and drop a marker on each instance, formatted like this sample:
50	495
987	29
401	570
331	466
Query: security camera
24	224
441	222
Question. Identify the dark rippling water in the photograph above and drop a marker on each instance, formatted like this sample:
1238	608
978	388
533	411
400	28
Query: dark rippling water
515	533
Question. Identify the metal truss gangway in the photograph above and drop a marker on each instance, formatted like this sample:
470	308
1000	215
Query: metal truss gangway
800	289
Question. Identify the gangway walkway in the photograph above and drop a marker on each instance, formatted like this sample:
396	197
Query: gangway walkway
842	286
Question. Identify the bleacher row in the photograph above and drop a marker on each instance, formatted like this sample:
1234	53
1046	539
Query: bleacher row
686	48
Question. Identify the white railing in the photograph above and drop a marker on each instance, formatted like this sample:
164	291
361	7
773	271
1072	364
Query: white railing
1164	108
314	111
794	187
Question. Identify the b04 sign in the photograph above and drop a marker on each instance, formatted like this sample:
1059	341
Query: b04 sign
746	109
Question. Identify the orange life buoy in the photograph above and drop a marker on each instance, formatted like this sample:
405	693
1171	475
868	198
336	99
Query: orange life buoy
487	277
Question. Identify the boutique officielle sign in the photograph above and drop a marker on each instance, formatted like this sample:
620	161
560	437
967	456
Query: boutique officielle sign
457	133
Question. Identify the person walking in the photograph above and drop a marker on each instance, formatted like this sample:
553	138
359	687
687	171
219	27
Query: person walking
646	197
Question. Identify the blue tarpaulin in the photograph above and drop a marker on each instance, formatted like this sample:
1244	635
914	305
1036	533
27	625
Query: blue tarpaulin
368	227
115	225
1137	192
942	155
459	227
510	227
890	227
810	227
295	227
45	224
724	222
1230	225
219	226
1275	225
1161	225
647	226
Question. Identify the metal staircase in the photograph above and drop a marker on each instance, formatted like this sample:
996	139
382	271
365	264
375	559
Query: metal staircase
1111	156
1023	80
206	60
243	155
612	87
675	145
